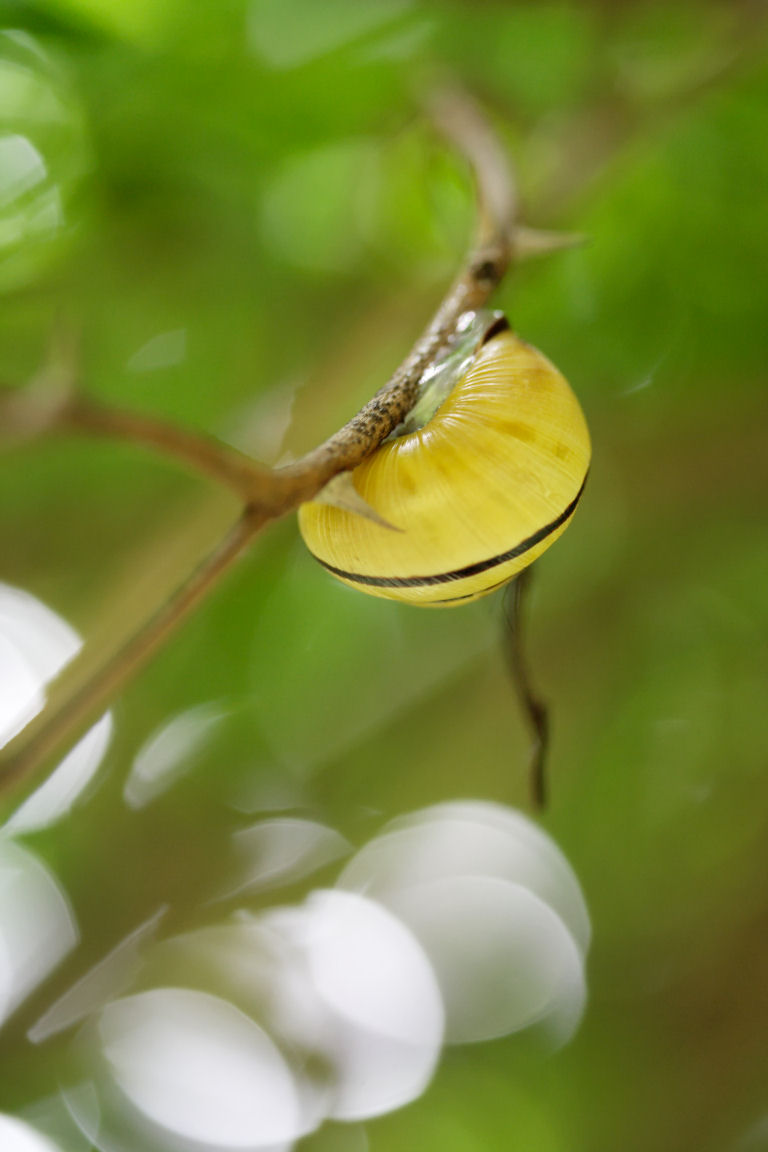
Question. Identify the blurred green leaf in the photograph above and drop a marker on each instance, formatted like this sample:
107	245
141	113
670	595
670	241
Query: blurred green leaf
240	207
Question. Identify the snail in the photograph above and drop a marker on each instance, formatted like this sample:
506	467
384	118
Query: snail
478	490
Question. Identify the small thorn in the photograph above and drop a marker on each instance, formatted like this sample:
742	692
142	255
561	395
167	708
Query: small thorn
340	492
531	242
36	408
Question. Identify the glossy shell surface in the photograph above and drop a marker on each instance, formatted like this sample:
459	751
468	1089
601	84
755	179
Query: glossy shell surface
478	493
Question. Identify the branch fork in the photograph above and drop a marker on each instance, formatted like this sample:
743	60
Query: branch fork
53	404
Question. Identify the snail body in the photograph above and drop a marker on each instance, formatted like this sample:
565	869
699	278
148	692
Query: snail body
482	489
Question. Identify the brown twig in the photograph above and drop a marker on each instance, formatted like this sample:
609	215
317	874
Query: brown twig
203	454
73	705
516	597
71	708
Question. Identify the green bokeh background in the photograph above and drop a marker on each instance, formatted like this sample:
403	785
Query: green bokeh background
247	219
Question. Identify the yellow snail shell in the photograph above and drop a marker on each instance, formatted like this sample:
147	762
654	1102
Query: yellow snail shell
481	490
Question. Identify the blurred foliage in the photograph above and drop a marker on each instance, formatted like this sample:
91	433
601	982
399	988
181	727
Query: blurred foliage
241	208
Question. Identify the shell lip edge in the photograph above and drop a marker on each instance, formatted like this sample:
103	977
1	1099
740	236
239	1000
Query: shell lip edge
470	569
